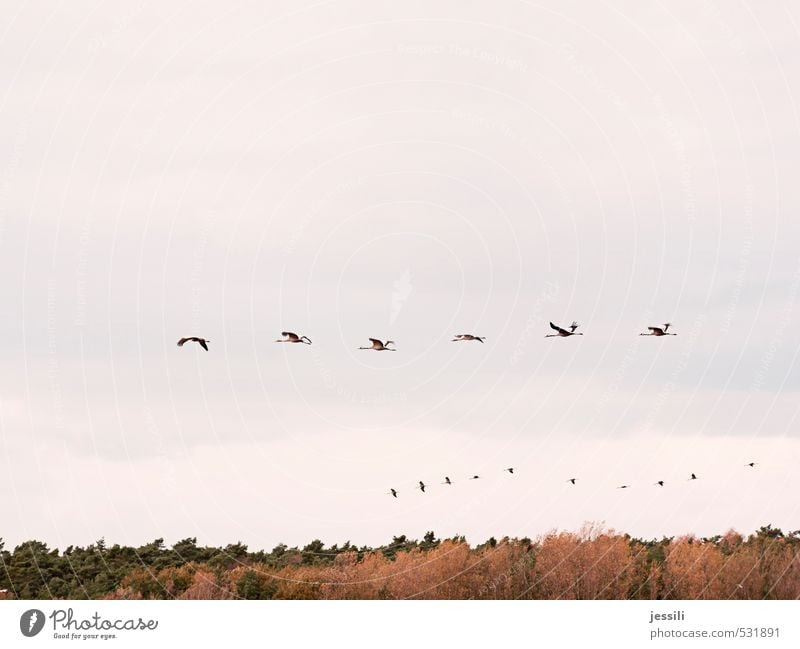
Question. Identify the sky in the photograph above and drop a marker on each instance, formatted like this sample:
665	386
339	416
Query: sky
410	171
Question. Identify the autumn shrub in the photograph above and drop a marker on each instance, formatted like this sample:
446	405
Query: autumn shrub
594	563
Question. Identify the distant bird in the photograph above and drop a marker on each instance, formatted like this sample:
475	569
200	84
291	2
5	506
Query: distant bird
459	337
422	486
563	333
572	480
624	486
393	492
447	480
659	331
510	469
194	339
475	477
750	464
660	483
378	346
694	477
291	337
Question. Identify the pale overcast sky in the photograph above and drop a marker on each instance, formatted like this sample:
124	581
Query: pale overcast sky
404	170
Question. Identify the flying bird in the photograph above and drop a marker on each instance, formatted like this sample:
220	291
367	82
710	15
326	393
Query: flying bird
750	464
659	331
694	477
203	342
624	486
421	486
447	480
378	346
393	492
563	333
459	337
510	469
572	480
660	483
291	337
475	477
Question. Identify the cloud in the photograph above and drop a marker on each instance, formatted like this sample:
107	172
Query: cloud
404	174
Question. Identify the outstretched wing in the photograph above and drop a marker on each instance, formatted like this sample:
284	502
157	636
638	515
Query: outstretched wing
656	330
290	335
558	329
203	344
375	341
182	341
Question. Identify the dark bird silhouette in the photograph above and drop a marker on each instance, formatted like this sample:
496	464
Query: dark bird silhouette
660	483
194	339
291	337
750	464
510	469
694	477
393	492
572	480
563	333
378	346
624	486
460	337
422	486
475	477
659	331
447	480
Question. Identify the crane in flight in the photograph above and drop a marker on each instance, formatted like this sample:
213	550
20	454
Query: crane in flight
460	337
379	346
659	331
563	333
291	337
203	342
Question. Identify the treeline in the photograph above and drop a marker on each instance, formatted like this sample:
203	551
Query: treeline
591	564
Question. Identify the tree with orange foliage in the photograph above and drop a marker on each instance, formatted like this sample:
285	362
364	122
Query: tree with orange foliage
593	564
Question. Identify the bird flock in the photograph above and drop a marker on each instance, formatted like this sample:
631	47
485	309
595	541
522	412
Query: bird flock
422	486
390	346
